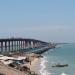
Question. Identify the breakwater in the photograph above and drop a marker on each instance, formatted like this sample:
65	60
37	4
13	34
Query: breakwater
42	50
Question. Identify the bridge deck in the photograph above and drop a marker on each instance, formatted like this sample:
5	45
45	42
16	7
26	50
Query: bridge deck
18	44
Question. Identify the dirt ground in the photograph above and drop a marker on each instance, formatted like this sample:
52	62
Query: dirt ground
6	70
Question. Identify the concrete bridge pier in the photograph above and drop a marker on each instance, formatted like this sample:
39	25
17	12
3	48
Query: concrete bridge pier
5	50
15	45
34	44
2	46
29	44
21	44
25	44
9	45
12	46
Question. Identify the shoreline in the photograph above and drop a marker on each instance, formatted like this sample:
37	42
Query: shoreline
36	64
43	70
39	66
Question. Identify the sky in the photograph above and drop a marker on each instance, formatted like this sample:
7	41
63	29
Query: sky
47	20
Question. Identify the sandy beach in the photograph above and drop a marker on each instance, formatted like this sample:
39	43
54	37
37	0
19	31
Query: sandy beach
5	70
34	67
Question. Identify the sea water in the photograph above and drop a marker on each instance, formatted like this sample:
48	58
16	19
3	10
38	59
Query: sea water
65	54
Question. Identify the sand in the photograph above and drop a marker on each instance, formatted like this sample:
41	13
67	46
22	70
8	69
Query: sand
34	67
9	71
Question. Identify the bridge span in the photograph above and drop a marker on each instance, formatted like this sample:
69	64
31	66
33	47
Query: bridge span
17	44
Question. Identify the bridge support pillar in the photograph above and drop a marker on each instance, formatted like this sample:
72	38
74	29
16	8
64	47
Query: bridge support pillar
23	44
15	45
2	46
29	44
5	46
9	45
12	45
19	45
34	44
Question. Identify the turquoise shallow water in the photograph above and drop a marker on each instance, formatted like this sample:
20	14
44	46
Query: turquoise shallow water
65	54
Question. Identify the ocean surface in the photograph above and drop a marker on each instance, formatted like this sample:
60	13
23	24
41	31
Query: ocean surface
63	54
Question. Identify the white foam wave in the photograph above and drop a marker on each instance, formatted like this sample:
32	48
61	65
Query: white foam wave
63	74
43	70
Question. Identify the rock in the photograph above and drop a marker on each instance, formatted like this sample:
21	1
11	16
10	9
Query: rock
2	74
24	68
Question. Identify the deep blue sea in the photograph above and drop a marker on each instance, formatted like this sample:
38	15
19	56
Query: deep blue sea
64	54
